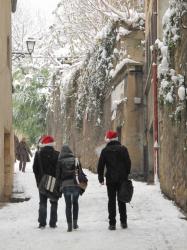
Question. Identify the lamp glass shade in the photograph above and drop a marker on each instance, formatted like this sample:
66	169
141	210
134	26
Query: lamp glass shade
30	45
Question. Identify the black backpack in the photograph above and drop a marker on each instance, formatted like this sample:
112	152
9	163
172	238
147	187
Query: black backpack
68	166
126	191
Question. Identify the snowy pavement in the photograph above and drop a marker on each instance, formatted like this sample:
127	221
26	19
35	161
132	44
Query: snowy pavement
154	222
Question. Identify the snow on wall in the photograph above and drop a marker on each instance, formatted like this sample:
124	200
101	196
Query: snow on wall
117	95
172	90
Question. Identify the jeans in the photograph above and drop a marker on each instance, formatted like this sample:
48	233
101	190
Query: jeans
43	211
112	190
71	196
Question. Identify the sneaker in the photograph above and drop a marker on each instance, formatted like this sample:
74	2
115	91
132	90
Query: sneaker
112	227
124	225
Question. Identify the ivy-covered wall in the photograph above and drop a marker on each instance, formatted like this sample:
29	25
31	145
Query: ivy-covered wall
86	103
173	108
83	107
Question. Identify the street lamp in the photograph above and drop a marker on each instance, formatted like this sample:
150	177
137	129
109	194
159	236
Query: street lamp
30	48
30	45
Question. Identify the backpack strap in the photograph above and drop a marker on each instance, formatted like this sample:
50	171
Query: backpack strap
76	162
76	170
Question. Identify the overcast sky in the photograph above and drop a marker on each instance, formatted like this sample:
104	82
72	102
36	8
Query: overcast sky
43	7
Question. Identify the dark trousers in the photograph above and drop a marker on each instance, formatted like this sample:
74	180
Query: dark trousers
71	196
43	211
22	165
23	161
112	190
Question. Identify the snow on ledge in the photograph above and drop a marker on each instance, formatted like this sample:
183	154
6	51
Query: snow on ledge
120	65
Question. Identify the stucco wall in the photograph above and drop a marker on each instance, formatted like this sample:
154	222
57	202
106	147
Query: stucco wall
6	137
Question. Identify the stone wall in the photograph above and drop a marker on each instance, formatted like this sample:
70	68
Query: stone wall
173	158
85	141
173	140
172	133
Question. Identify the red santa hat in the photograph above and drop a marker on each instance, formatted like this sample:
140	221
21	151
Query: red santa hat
47	140
111	136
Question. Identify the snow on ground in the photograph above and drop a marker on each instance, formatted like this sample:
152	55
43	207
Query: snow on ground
154	223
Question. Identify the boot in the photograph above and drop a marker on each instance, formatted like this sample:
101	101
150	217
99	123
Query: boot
124	225
112	227
75	226
69	227
41	226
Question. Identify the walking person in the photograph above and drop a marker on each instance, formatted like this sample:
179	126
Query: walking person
115	158
66	175
45	162
24	152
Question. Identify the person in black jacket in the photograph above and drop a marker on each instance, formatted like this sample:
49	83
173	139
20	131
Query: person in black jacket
24	153
45	162
115	158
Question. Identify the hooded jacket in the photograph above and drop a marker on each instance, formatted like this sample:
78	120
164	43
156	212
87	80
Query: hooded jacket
65	177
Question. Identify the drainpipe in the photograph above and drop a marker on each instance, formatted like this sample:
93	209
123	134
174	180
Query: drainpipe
155	95
155	123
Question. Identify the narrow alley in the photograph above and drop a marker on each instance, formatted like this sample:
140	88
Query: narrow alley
154	223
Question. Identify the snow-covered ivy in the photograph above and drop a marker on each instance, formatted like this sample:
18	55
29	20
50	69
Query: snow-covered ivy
95	77
172	89
88	90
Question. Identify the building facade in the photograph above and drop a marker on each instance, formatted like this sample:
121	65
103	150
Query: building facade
127	106
6	130
165	119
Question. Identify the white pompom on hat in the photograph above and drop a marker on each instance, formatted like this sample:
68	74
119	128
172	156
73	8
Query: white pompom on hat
111	136
47	140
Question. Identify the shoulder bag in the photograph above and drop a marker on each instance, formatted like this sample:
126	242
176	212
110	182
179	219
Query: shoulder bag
126	191
81	178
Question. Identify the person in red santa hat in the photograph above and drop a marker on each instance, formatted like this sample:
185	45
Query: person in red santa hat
115	158
45	162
